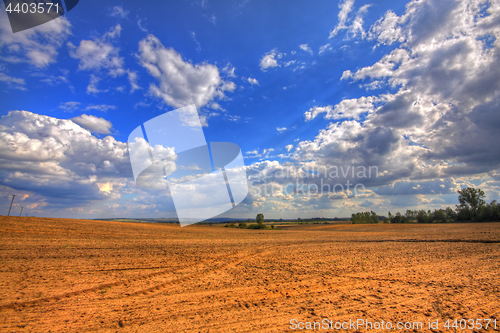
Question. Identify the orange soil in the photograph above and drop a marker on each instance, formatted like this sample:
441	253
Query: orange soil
78	275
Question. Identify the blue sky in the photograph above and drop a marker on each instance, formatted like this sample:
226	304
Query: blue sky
409	88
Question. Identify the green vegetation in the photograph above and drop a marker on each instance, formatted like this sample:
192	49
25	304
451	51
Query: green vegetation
365	217
472	208
259	225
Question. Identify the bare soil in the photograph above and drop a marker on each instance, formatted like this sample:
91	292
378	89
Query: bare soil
61	275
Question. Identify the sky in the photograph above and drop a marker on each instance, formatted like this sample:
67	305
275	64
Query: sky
337	106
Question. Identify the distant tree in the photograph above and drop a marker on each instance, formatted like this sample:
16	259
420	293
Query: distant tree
410	215
490	212
471	200
242	225
397	218
260	218
451	215
365	217
439	216
424	216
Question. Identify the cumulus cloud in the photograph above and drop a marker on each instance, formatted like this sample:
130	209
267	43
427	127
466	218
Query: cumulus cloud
269	60
356	27
316	110
180	82
58	162
94	124
348	108
449	83
387	30
436	128
37	46
99	54
435	186
252	81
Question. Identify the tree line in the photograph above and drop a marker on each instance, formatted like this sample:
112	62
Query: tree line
472	207
259	225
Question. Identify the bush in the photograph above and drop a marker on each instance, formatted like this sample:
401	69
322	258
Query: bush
257	226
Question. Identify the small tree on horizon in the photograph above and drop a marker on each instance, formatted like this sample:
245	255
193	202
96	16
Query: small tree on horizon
260	218
471	199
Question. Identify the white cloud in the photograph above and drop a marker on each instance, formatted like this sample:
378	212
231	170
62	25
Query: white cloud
180	83
252	81
132	79
141	27
227	86
281	129
37	46
119	11
289	147
101	107
69	106
352	108
354	27
92	87
357	25
447	81
316	110
13	82
324	48
58	163
228	70
100	53
265	153
387	30
306	48
269	60
94	124
345	9
54	80
198	45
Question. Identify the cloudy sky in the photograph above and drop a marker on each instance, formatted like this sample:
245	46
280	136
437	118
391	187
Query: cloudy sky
314	93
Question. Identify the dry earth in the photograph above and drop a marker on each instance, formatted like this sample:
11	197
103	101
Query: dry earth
77	276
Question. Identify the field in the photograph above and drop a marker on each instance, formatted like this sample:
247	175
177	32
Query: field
79	275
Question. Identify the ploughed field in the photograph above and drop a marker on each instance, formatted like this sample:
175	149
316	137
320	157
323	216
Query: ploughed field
78	275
